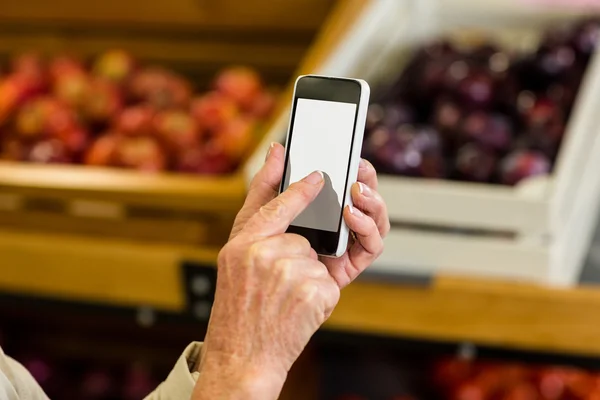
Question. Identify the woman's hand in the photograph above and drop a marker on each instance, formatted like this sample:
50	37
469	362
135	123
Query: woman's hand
273	292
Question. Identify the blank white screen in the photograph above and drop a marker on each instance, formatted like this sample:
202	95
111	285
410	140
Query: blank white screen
321	140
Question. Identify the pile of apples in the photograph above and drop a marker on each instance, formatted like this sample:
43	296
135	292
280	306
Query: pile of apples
115	112
459	379
480	113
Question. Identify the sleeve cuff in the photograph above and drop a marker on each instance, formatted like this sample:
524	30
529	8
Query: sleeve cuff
181	381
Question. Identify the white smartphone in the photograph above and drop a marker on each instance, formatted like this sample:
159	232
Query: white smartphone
325	133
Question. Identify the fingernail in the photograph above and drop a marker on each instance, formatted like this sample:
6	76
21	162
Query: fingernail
364	189
354	211
314	178
363	163
269	151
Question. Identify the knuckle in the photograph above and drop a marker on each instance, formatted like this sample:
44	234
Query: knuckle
283	267
257	252
273	210
298	240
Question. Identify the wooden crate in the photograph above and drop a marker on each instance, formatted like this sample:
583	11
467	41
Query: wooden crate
538	230
193	37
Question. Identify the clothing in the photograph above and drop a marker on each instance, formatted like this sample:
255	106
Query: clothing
16	383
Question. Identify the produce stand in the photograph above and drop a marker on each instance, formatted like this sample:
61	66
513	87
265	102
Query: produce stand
132	274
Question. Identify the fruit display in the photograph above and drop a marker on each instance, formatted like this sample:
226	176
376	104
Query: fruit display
458	379
462	379
479	112
116	112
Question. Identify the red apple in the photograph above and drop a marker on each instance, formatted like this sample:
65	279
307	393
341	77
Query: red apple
177	129
13	149
241	84
115	66
14	91
235	138
135	121
73	88
552	384
213	110
103	150
207	160
103	102
160	88
65	65
264	104
44	116
522	391
49	151
142	153
469	391
30	66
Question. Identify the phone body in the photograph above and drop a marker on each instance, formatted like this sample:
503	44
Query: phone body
325	133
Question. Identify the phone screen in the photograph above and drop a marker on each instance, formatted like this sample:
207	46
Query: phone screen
321	139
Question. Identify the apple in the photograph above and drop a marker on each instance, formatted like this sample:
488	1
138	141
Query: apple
103	102
13	149
208	160
213	110
14	91
552	384
142	153
235	138
177	129
469	391
44	117
73	88
135	121
160	88
65	65
116	66
522	391
264	105
241	84
103	151
31	67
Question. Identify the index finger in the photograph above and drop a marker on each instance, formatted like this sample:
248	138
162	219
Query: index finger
274	217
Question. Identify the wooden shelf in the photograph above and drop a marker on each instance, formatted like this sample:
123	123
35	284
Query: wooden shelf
118	273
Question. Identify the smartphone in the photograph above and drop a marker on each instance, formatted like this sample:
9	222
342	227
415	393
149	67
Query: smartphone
325	133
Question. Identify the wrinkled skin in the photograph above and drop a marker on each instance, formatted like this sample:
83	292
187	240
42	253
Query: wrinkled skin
273	291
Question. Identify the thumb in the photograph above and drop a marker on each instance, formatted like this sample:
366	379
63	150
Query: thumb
264	187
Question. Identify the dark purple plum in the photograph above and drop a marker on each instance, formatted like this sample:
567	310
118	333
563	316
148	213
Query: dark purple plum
476	91
446	118
397	114
491	130
410	151
474	163
522	164
456	72
556	61
585	38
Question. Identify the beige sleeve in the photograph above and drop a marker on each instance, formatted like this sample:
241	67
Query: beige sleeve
180	382
16	383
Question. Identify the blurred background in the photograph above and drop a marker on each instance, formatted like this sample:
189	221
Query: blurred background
129	130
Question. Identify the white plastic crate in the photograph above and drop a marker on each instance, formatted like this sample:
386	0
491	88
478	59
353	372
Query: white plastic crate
549	220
